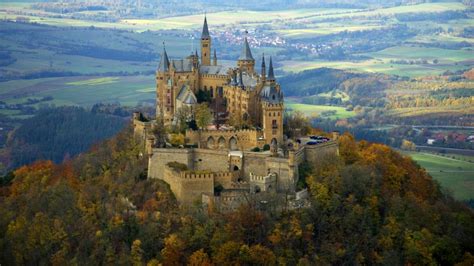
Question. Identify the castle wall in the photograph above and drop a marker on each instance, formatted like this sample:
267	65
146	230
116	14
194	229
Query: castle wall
313	153
188	186
160	157
254	162
245	139
286	177
211	160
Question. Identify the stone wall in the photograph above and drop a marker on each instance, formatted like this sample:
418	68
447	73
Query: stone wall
160	157
188	186
211	160
313	153
221	139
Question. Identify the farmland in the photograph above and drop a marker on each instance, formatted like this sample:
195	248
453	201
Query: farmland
454	174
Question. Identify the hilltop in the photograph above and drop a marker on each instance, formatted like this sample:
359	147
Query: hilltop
370	205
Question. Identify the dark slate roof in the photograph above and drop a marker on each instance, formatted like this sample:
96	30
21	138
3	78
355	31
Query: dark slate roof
205	30
271	75
186	96
271	94
246	54
213	70
164	61
182	65
243	78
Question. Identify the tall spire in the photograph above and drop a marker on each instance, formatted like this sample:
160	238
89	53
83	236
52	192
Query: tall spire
215	58
164	61
271	75
246	54
263	74
205	29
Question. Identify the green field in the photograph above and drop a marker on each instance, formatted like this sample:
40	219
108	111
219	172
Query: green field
380	62
317	110
82	91
453	174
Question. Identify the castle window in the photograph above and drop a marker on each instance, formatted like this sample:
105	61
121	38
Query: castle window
274	124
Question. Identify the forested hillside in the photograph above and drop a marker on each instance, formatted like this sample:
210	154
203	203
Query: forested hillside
371	205
56	133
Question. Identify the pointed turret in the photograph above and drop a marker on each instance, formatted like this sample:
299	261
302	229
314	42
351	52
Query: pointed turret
164	61
271	75
215	58
263	71
205	29
205	45
246	61
246	54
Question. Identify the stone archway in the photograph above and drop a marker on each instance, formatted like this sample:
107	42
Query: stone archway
233	144
211	143
221	143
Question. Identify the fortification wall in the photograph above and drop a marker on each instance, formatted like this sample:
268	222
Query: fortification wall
220	139
193	186
286	176
160	157
254	162
211	160
313	153
188	186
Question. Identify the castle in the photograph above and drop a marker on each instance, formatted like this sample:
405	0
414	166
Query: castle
243	150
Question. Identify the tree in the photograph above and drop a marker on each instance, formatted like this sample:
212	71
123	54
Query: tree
348	149
184	115
137	253
296	123
177	139
172	253
159	131
203	115
408	145
199	258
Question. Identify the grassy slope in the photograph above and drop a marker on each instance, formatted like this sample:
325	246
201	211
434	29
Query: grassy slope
83	91
455	175
316	110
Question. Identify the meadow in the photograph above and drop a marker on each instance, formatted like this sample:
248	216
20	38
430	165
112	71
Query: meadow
336	112
79	91
453	174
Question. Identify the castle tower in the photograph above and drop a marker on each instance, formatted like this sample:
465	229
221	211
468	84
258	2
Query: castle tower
205	45
162	74
263	69
272	109
246	61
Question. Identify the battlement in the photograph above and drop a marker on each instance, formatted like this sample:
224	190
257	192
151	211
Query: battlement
272	105
193	175
218	131
265	178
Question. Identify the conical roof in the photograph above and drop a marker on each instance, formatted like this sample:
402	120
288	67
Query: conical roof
271	75
246	54
164	61
205	29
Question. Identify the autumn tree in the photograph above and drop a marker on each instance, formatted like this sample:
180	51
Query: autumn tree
203	115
